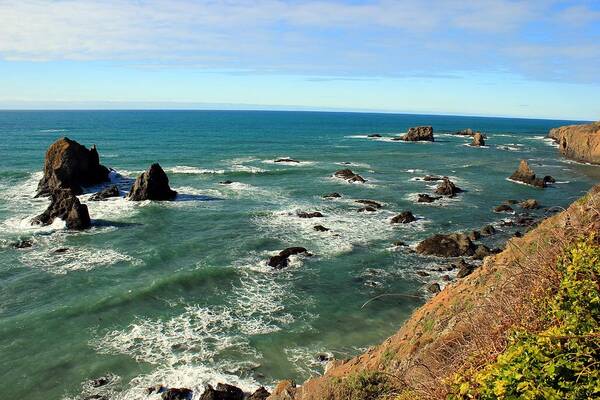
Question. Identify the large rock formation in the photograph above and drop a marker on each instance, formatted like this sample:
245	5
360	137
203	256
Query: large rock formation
66	206
451	245
222	392
478	140
579	142
69	165
525	174
152	184
419	133
447	188
281	260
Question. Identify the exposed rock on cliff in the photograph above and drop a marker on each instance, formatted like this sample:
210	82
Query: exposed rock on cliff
69	165
579	142
152	184
66	206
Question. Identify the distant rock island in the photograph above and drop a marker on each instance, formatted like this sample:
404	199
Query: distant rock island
579	142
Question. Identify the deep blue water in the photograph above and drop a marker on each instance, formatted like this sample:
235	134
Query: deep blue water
178	293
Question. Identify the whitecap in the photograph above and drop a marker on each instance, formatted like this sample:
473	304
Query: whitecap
184	169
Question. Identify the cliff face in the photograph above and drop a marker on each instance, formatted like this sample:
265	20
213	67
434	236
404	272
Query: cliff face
463	326
579	142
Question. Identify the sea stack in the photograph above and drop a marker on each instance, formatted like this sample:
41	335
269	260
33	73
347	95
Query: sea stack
69	165
525	174
66	206
478	140
152	184
419	134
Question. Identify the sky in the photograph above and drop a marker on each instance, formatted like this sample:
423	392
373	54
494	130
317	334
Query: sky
536	58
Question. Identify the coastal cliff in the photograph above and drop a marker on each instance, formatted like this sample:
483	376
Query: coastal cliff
579	142
467	325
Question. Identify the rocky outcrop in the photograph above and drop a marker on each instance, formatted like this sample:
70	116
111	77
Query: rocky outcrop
451	245
579	142
503	208
374	135
425	198
281	260
222	392
529	204
447	188
152	184
177	394
469	132
419	134
287	160
348	175
320	228
334	195
525	174
69	165
370	203
304	214
404	217
260	394
478	140
66	206
106	193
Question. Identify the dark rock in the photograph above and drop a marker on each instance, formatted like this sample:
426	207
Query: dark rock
549	179
69	165
281	260
482	251
222	392
518	234
446	278
177	394
320	228
227	182
260	394
464	268
447	188
111	191
473	235
503	208
478	140
399	243
469	132
60	250
422	273
349	176
287	160
488	230
511	202
529	204
419	133
374	135
507	223
66	206
367	209
370	203
525	220
450	245
304	214
323	357
425	198
152	184
22	244
525	174
102	381
404	217
333	195
434	288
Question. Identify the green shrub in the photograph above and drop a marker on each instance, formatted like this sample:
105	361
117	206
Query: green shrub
562	361
366	385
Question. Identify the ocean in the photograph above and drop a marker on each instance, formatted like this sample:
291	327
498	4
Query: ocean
179	293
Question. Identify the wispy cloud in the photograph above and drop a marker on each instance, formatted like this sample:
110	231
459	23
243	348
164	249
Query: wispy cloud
319	38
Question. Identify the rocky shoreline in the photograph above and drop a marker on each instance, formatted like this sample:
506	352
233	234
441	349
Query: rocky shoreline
578	142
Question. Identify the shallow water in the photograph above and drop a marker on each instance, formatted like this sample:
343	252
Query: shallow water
178	293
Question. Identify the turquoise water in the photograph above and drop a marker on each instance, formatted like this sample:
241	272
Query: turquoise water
178	293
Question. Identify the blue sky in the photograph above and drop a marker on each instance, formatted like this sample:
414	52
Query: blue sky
487	57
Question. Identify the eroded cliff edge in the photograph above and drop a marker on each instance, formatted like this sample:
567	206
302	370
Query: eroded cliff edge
579	142
465	325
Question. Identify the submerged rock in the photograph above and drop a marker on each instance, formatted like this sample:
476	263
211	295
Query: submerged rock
287	160
66	206
367	209
425	198
488	230
447	188
304	214
334	195
369	203
450	245
374	135
227	182
111	191
525	174
404	217
418	134
478	140
281	260
503	208
22	244
69	165
349	176
432	178
152	184
320	228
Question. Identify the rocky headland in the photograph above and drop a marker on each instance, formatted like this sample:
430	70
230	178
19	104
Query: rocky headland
578	142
